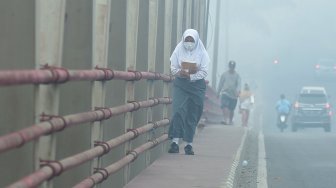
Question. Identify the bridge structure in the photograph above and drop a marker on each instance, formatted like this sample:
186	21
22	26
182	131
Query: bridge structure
86	91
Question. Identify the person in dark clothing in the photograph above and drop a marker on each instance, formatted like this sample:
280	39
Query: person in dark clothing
189	65
229	90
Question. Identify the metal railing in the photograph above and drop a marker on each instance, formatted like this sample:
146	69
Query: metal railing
51	124
212	112
51	17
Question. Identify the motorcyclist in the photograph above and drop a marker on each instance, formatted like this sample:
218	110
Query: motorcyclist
283	106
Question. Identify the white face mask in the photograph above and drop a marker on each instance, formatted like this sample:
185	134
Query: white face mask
189	45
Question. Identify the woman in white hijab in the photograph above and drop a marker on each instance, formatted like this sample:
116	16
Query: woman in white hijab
189	65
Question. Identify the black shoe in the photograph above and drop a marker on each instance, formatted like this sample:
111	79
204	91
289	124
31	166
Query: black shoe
174	148
188	150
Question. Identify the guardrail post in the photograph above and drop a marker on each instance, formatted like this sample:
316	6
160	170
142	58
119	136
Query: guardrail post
100	38
216	45
202	8
49	46
196	15
188	13
167	52
179	21
131	53
152	35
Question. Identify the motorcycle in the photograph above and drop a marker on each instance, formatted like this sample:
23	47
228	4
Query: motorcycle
282	121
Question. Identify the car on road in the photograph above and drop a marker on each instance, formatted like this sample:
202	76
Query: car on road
312	109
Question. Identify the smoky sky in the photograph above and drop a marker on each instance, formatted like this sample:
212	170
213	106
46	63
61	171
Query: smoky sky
297	33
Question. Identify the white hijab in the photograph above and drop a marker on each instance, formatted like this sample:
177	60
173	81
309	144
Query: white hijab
198	54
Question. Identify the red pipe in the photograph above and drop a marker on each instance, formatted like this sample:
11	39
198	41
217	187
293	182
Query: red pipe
49	171
211	104
102	174
49	74
58	123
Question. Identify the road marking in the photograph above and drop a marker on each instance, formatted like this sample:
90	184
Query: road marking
262	170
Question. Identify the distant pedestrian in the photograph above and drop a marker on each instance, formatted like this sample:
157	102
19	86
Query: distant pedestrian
229	90
246	101
189	65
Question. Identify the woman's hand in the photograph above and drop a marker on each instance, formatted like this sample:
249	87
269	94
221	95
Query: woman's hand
184	74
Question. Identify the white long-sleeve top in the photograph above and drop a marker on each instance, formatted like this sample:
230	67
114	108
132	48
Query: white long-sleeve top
199	55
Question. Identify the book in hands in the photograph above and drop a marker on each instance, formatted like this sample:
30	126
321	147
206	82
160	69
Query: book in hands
190	67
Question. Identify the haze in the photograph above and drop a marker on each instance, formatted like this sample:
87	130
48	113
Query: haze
296	33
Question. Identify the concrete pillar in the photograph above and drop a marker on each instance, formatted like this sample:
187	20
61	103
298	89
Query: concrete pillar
100	38
49	48
206	20
17	36
216	45
116	92
167	52
196	14
152	35
227	25
202	17
131	53
188	13
179	20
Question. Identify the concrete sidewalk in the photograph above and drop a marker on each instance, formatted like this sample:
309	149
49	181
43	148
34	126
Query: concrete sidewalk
215	150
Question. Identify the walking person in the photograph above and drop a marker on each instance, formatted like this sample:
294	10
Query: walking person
246	101
189	65
228	90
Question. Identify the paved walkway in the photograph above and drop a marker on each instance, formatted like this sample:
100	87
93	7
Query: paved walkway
215	149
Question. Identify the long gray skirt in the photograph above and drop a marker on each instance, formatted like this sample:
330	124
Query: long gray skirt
188	98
